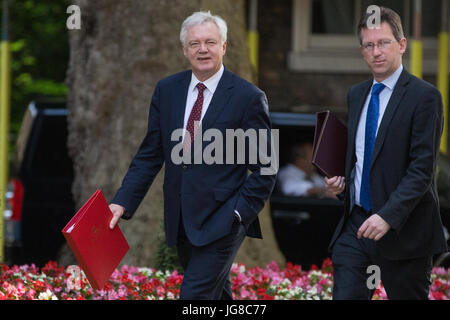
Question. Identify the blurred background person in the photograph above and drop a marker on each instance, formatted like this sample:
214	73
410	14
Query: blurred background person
300	177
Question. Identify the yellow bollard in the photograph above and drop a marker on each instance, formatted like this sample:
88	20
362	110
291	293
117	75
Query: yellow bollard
253	44
4	134
442	84
416	58
253	37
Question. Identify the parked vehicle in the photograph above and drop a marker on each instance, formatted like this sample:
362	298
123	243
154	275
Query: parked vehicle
303	226
39	193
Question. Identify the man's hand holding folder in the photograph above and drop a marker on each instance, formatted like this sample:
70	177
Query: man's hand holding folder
335	185
117	211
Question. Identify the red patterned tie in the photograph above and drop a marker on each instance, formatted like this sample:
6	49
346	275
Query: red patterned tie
195	116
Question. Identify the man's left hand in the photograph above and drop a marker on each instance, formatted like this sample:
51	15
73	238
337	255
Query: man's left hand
374	228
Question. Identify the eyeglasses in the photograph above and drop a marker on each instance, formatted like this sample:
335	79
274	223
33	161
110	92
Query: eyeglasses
382	44
195	45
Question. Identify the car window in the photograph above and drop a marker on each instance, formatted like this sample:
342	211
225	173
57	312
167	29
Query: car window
47	154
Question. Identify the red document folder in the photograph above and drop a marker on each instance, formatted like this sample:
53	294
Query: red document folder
330	145
97	248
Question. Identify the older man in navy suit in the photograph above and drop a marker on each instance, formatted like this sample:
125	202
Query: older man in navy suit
209	207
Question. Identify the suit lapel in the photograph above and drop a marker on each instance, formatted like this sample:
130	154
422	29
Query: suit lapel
180	99
359	105
394	101
354	114
219	100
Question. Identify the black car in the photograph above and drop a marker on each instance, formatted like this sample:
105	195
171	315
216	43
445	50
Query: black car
40	197
303	226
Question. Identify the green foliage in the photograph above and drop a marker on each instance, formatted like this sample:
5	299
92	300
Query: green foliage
39	53
166	257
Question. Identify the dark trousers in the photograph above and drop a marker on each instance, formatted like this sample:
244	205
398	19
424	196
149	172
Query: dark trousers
207	268
402	279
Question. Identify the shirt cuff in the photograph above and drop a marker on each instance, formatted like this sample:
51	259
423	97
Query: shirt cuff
238	215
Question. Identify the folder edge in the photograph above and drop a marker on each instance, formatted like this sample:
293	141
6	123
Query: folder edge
319	139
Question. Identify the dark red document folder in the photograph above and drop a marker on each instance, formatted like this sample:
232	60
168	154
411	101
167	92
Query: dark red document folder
97	248
330	145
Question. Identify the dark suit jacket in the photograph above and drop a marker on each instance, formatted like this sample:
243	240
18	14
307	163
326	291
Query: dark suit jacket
402	176
206	195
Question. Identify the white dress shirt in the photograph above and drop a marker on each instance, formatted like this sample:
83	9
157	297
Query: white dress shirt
211	86
293	181
384	97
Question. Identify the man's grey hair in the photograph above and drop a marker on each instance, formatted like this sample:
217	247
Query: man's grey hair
201	17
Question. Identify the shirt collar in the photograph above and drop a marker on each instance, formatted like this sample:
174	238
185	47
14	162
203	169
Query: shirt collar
211	83
391	81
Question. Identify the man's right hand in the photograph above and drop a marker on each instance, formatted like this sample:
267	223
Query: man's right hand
117	211
335	185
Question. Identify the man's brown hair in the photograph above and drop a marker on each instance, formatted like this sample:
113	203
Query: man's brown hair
386	15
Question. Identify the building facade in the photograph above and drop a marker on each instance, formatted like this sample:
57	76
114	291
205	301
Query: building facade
309	53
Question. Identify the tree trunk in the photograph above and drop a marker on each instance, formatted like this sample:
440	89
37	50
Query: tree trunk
122	49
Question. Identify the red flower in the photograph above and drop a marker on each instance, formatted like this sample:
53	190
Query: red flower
438	283
51	269
327	265
437	295
38	285
4	268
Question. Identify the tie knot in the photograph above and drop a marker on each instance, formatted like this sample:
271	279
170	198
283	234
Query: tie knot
377	88
200	87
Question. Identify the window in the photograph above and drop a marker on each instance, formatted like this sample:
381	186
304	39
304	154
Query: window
333	17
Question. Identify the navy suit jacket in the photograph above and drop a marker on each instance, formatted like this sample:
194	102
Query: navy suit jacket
205	194
403	169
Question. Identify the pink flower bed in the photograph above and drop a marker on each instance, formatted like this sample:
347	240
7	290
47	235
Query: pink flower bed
55	282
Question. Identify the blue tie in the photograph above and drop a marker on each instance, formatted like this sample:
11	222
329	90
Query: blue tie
371	129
